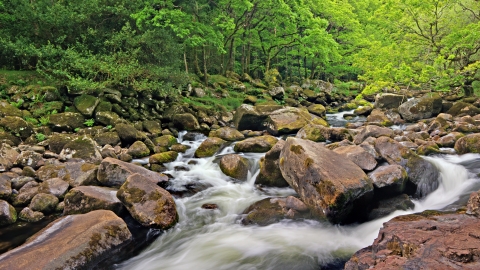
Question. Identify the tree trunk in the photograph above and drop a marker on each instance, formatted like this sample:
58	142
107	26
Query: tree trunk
197	66
205	73
185	60
230	64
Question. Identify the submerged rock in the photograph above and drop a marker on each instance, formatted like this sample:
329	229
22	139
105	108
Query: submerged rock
332	186
71	242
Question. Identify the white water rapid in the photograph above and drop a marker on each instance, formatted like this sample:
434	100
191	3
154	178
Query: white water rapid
215	239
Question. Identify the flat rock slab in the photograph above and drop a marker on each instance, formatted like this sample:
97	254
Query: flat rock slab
85	199
71	242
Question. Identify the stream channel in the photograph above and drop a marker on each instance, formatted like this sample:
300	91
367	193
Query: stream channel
216	239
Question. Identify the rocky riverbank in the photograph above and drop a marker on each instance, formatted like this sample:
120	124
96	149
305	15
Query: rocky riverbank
341	174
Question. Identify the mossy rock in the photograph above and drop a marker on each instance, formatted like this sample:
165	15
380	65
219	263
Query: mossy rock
186	121
164	157
263	213
8	214
57	141
317	109
234	166
6	109
103	106
312	132
105	138
138	150
153	127
41	109
462	108
468	144
107	118
227	134
67	121
29	215
180	148
84	148
45	203
165	141
209	147
17	126
259	144
86	104
129	134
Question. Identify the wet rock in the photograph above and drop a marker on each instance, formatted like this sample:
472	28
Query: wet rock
423	174
85	199
31	159
54	186
67	121
363	110
84	148
186	121
86	104
114	172
210	206
227	134
247	117
17	125
44	203
26	193
270	174
180	148
273	210
149	204
110	138
259	144
449	140
379	117
390	180
138	150
74	173
29	215
427	240
295	204
5	187
468	144
332	186
164	157
8	214
461	108
316	133
129	134
358	155
389	101
71	242
372	131
427	148
317	109
473	205
390	205
209	147
165	141
421	108
235	166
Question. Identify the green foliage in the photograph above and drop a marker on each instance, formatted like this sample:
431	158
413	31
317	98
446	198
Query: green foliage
89	122
17	104
40	137
44	120
109	127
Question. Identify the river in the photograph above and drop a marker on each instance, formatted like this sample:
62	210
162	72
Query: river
215	239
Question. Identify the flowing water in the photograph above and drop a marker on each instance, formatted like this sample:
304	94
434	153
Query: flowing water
215	239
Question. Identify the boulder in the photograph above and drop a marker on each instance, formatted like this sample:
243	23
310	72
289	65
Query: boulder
227	134
427	240
26	193
449	140
461	108
8	156
259	144
312	132
421	108
363	110
165	141
272	210
74	173
165	157
44	203
391	204
209	147
149	204
372	131
389	101
153	127
270	174
423	174
5	187
31	159
128	133
8	214
7	109
17	125
358	155
186	121
277	92
468	144
379	117
84	199
113	173
317	109
67	121
332	186
247	117
55	186
84	148
235	166
389	179
110	138
86	104
29	215
288	120
71	242
473	205
138	150
56	142
107	118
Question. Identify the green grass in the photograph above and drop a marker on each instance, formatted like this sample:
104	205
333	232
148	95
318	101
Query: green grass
216	103
21	78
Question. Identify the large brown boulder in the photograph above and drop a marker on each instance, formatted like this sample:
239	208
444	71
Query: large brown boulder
186	121
8	214
71	242
248	117
76	173
17	125
67	121
380	118
421	108
209	147
372	131
84	199
428	240
113	173
227	134
84	148
270	174
316	133
234	166
389	179
272	210
332	186
288	120
149	204
259	144
389	101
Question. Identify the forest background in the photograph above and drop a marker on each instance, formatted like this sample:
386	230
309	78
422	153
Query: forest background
158	45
